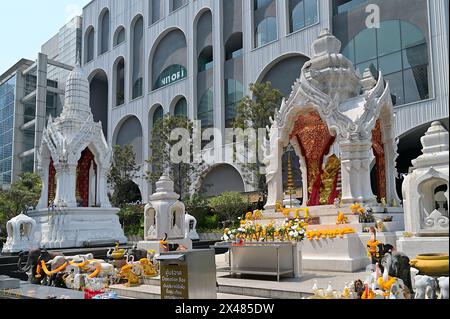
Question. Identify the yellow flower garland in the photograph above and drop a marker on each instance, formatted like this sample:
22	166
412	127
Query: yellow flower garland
331	233
98	269
50	273
80	265
386	285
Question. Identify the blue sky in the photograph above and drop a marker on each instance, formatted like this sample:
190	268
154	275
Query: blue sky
26	24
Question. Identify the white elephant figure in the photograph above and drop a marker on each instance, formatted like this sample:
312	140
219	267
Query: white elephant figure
443	286
106	269
425	287
80	258
57	262
414	273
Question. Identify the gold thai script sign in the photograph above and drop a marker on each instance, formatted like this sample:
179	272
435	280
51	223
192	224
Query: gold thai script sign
174	282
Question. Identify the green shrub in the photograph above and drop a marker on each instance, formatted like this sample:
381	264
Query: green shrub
132	220
229	206
197	206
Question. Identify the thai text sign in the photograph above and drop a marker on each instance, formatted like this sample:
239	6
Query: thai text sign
174	282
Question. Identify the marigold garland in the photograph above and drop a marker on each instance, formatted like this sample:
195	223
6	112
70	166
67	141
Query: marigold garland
331	233
80	265
98	269
386	285
50	273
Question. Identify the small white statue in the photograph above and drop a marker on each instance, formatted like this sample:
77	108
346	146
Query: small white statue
425	287
21	234
443	286
191	227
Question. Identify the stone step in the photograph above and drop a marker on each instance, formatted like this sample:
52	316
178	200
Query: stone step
262	292
154	292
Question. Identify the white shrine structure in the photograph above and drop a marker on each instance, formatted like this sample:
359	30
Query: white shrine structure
165	218
426	197
341	125
73	162
21	234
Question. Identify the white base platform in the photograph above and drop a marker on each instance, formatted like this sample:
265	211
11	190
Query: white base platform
414	246
77	227
346	254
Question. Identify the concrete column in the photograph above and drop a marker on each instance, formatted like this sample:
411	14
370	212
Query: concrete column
219	82
18	136
41	101
191	96
247	30
282	18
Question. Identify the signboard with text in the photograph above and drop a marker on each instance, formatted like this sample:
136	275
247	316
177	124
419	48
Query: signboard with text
170	75
174	282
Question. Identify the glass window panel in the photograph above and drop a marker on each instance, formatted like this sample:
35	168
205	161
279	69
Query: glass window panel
298	17
181	108
373	64
310	12
390	63
158	115
395	81
365	46
349	51
415	56
388	37
261	3
411	35
416	84
266	31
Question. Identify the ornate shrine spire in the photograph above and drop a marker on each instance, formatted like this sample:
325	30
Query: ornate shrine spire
76	104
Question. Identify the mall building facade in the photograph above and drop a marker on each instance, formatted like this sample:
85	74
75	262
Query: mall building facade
147	58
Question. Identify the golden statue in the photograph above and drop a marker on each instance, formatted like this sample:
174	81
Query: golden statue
328	178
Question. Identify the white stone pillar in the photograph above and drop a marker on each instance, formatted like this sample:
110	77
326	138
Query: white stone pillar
356	185
102	196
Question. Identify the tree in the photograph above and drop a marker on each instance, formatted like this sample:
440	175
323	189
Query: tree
254	112
23	194
229	206
123	170
161	161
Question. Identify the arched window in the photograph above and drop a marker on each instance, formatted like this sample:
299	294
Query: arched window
89	44
99	92
168	60
234	46
205	59
234	94
119	36
120	82
130	133
103	40
400	51
303	13
206	109
158	114
266	31
181	108
138	58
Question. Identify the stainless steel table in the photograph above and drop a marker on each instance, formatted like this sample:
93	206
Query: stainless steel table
265	259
